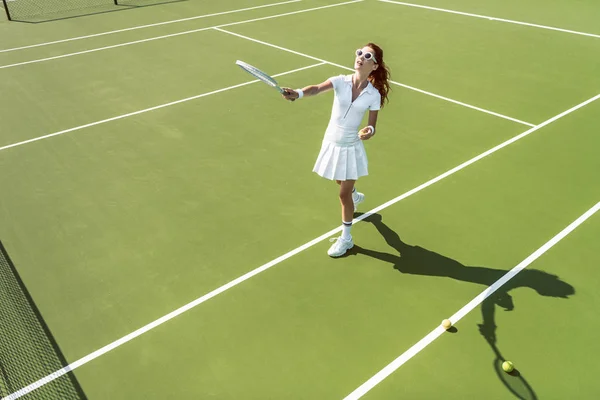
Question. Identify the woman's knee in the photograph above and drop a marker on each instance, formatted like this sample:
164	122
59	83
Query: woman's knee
345	194
346	190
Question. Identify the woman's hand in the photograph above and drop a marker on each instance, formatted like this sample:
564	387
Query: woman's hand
289	94
366	133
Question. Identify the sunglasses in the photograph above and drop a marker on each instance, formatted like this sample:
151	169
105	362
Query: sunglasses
367	54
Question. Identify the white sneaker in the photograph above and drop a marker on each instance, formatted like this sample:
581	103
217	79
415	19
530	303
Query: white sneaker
340	246
357	198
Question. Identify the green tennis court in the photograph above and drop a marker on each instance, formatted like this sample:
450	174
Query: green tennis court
162	234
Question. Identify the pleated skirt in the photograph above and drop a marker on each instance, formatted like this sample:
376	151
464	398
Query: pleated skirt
347	162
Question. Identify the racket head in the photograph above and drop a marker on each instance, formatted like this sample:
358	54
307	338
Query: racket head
257	73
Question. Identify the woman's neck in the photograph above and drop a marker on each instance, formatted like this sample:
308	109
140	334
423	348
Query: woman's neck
359	81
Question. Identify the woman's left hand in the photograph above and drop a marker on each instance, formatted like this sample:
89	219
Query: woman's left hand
365	133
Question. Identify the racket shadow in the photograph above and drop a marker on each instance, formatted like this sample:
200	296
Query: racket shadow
514	380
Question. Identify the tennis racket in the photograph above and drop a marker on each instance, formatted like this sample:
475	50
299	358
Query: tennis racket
257	73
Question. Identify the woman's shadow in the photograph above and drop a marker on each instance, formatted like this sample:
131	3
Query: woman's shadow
416	260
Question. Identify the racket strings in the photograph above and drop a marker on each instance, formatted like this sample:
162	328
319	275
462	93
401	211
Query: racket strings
257	73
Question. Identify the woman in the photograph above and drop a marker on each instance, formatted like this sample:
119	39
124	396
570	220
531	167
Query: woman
342	157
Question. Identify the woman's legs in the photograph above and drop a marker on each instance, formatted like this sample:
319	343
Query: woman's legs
357	197
343	243
346	188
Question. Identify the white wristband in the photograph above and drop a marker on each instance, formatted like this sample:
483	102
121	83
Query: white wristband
372	129
300	93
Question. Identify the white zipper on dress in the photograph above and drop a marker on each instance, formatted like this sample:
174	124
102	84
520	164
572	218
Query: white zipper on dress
352	102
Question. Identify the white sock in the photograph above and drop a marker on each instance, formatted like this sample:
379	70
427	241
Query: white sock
354	195
346	230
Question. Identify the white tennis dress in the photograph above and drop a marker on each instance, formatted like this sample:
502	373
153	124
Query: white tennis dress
343	156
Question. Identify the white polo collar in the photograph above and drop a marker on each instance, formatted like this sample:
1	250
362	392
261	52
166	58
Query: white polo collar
370	88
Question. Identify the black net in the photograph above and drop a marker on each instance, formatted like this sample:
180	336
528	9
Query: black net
142	3
28	351
51	10
39	10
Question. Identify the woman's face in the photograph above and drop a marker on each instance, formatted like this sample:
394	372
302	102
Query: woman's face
365	60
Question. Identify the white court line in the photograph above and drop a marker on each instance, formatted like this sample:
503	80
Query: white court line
175	34
491	18
284	49
394	82
111	346
146	26
148	109
439	330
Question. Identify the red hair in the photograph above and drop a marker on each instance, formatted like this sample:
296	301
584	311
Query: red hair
380	78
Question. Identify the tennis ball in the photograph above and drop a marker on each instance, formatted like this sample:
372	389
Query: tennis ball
446	323
508	366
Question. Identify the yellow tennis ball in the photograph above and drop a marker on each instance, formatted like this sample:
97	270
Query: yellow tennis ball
446	323
508	366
